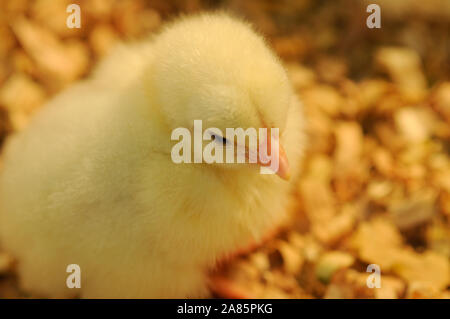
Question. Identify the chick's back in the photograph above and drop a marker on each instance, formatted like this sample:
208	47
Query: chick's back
72	178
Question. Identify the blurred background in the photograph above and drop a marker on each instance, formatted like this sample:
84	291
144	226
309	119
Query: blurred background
376	182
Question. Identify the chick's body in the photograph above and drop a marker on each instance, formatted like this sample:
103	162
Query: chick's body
91	182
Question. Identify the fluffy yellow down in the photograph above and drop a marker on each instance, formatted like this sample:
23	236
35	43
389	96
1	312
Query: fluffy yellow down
91	182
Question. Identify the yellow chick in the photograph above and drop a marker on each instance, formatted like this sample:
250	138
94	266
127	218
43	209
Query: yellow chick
91	180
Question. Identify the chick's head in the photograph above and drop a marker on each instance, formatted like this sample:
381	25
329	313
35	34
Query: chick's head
216	68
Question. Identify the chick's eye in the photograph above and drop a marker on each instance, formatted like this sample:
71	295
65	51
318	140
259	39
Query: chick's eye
219	139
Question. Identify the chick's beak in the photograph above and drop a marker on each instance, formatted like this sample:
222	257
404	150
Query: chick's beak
283	164
283	170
